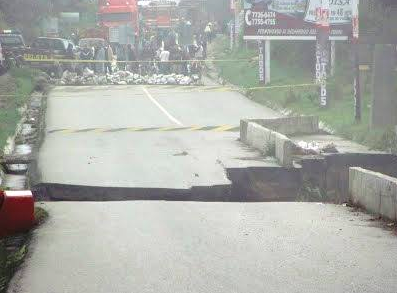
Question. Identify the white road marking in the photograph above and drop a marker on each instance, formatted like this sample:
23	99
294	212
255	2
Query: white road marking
153	100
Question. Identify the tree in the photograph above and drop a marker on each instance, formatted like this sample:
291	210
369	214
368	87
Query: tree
378	26
27	15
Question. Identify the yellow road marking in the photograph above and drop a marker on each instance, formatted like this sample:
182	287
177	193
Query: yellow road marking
214	128
224	128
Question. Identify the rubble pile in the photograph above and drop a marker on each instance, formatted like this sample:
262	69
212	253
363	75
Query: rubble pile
88	77
314	148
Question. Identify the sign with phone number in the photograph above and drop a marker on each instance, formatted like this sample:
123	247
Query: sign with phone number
295	19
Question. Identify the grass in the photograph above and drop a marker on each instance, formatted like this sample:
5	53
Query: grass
15	88
285	70
13	250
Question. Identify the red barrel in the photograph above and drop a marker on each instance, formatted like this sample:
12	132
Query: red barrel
16	212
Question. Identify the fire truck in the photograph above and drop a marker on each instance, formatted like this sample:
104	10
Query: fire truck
159	14
119	15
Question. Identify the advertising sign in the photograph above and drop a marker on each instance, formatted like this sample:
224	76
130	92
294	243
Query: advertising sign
294	19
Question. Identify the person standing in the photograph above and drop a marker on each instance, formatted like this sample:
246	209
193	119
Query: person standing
109	59
121	56
131	55
86	55
164	61
203	42
208	32
99	56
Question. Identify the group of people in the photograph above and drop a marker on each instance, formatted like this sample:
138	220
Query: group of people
107	53
159	52
166	55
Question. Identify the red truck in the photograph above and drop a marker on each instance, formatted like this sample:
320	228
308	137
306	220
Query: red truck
113	14
160	14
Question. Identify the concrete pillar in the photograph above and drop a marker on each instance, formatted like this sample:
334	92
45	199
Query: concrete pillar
332	59
267	61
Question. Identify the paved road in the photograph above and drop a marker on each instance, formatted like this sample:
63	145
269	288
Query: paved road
124	247
145	136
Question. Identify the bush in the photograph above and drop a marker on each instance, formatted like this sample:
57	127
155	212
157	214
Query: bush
290	97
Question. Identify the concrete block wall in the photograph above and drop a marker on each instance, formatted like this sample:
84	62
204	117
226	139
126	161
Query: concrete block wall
262	133
291	125
373	191
259	137
262	138
284	148
284	125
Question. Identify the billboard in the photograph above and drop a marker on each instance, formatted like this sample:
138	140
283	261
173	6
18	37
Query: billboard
294	19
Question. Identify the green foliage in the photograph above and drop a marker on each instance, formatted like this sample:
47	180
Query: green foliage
310	193
17	87
40	215
27	15
290	98
339	115
270	150
11	258
13	250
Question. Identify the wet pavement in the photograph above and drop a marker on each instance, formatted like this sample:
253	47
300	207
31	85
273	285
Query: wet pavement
164	247
133	136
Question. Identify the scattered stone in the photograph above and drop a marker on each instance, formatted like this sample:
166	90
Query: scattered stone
181	154
14	182
123	78
330	149
17	168
27	129
309	148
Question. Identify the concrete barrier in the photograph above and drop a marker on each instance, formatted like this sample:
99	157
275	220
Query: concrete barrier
285	149
264	134
284	125
291	125
374	191
265	140
259	137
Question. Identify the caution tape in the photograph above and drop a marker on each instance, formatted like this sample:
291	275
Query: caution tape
183	89
127	62
367	67
363	67
281	86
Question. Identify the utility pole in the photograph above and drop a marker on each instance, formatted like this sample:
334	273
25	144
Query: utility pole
237	23
356	57
332	59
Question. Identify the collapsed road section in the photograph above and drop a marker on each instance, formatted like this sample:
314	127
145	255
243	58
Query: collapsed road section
166	143
145	142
